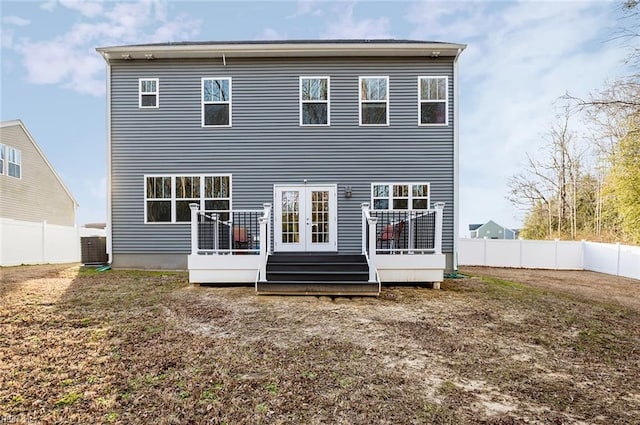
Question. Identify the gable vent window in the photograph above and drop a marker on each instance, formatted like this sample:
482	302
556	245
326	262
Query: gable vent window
14	158
374	100
314	100
149	93
433	100
216	102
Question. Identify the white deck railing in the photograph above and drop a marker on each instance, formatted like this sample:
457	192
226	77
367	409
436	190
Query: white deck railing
225	232
234	232
393	232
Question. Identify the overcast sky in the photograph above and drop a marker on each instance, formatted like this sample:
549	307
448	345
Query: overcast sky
521	57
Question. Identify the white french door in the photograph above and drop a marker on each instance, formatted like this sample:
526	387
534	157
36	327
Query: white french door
305	218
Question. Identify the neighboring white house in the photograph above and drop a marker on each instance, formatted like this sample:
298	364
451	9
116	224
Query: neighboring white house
37	211
491	230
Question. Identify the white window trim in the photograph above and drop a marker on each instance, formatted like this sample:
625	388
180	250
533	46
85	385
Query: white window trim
229	102
446	102
173	198
3	157
156	93
360	101
9	162
391	197
328	101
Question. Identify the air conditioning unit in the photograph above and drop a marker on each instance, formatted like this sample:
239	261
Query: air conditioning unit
93	250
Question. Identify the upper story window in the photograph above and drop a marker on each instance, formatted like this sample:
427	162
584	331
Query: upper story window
314	100
433	99
167	198
149	93
400	196
374	100
14	160
216	102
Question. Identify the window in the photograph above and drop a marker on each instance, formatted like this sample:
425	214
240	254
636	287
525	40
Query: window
432	92
400	196
314	100
374	101
2	159
187	192
217	193
216	102
149	93
158	199
15	162
167	198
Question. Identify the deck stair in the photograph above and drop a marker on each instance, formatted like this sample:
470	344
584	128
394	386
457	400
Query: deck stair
318	274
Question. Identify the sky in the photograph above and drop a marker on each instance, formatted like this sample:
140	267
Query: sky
521	57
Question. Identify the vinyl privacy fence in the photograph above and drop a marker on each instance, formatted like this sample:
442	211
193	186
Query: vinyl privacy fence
24	242
614	259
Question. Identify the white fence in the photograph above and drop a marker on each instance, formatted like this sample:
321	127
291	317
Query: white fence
24	242
614	259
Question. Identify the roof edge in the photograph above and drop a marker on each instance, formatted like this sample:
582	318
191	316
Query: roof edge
291	48
19	123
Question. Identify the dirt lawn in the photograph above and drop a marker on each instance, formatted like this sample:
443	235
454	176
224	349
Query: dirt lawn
499	347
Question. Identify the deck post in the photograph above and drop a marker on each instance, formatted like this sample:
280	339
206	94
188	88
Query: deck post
364	206
194	227
216	236
267	215
373	222
262	271
437	240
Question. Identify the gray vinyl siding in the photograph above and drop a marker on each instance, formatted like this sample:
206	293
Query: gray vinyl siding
266	145
38	195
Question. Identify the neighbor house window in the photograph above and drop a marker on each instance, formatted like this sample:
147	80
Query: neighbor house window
400	196
2	158
149	93
432	92
216	102
167	198
374	100
314	100
14	160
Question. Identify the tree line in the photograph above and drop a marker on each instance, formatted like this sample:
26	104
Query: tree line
588	186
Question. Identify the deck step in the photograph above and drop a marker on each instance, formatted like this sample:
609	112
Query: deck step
343	288
315	274
318	276
315	258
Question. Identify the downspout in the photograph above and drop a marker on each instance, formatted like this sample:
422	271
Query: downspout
109	203
456	163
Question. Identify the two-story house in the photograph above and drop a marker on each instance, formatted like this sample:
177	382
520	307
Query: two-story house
491	230
297	152
37	210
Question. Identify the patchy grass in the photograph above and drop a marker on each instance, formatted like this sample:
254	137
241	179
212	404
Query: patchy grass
133	347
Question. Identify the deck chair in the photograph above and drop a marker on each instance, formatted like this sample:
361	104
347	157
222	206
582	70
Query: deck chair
391	235
240	237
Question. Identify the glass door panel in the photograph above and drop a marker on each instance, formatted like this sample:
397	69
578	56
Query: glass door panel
305	218
320	216
290	216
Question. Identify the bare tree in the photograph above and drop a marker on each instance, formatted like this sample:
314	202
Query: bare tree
549	184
